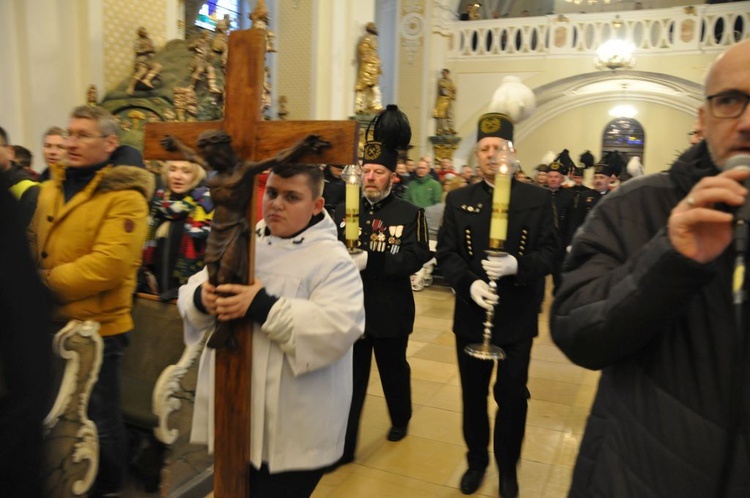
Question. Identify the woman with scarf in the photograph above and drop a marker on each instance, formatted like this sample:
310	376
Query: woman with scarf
180	223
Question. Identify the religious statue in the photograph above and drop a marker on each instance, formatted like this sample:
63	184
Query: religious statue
145	68
443	111
260	18
92	95
473	11
368	98
202	64
231	189
220	42
185	102
265	99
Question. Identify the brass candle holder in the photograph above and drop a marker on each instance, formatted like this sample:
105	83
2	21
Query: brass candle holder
486	350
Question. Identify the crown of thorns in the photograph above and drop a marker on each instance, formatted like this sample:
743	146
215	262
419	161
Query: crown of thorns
218	137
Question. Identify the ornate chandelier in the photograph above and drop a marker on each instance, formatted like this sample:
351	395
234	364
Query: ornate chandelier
615	54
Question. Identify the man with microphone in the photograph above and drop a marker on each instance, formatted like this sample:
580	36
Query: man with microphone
647	297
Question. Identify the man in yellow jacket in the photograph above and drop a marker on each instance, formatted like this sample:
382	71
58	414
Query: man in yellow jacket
87	234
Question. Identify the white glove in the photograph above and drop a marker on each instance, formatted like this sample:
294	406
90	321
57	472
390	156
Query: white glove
481	294
360	259
500	266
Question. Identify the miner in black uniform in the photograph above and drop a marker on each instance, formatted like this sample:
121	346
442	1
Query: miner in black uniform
334	188
532	244
604	175
394	243
562	204
584	199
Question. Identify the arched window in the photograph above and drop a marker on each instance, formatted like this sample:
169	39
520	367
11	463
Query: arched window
626	136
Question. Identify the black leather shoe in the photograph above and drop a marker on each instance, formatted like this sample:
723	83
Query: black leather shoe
397	433
471	481
509	487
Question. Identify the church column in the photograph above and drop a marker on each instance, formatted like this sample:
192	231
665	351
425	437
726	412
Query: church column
418	68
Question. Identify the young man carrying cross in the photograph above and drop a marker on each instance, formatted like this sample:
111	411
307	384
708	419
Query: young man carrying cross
307	305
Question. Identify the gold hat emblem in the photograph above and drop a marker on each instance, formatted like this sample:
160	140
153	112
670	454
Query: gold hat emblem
490	124
372	151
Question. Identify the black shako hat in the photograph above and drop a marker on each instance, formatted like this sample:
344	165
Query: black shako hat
603	169
562	163
495	124
391	131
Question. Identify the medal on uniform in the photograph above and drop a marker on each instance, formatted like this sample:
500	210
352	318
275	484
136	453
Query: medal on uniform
377	235
395	239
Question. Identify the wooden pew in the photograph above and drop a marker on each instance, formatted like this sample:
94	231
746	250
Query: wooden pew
71	445
157	382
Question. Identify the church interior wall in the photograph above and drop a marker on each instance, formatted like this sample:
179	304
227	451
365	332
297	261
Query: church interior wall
295	61
51	53
581	129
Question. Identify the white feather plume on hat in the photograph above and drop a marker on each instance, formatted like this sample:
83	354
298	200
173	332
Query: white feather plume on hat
514	99
634	167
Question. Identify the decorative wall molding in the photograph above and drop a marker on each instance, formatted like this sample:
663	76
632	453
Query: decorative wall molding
412	29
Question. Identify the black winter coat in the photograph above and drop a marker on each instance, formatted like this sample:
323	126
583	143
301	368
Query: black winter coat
660	327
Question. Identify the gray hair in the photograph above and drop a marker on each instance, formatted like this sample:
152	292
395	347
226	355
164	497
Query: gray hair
107	123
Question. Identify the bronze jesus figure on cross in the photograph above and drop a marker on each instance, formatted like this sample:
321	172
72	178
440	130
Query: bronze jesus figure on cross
227	252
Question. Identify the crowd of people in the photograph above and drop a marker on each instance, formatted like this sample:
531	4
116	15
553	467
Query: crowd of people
642	285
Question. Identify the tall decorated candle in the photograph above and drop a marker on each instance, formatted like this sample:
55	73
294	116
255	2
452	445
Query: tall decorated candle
352	175
501	198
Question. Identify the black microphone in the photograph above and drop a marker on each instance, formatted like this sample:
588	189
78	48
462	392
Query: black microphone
741	220
743	160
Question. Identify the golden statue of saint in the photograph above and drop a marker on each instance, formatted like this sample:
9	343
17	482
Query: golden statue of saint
443	111
368	99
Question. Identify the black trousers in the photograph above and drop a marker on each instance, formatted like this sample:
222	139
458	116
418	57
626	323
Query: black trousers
292	484
510	394
395	377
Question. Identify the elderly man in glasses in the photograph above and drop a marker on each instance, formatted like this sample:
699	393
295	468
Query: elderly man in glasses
649	298
87	234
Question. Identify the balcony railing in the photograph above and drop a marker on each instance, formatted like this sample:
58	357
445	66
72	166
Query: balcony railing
658	31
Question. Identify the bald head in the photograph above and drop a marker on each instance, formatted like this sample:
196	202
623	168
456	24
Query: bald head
727	86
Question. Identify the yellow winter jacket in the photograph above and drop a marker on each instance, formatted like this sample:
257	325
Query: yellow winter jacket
89	249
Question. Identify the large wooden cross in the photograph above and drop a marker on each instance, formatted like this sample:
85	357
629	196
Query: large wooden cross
253	139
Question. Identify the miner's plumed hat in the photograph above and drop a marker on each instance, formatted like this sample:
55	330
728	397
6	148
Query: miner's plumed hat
614	162
390	132
601	168
587	159
562	163
511	103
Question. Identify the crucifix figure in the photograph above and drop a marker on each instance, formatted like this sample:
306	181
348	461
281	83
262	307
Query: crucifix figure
231	189
252	140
